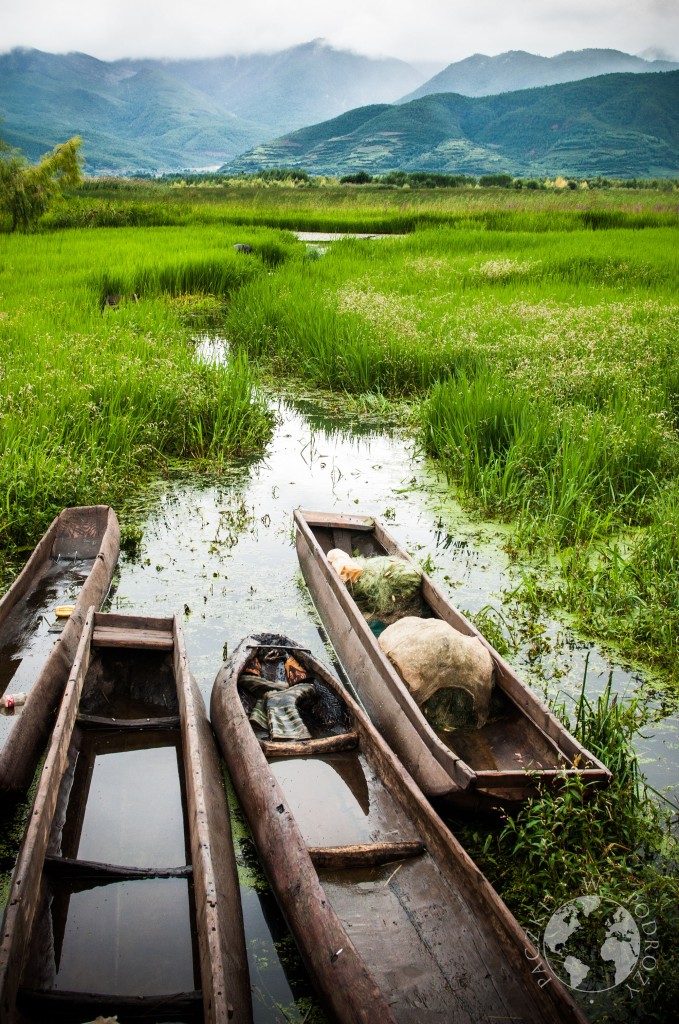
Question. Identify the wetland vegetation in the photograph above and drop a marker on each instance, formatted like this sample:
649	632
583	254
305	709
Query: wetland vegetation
528	340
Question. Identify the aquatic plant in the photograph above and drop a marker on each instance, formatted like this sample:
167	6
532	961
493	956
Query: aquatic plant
95	397
616	843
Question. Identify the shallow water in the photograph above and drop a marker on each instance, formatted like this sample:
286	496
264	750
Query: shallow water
31	629
134	813
223	557
337	801
124	938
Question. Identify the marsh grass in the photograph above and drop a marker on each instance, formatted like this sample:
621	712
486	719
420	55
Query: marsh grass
567	473
545	368
328	206
629	592
616	843
95	398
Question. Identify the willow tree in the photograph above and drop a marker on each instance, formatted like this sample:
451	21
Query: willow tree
28	190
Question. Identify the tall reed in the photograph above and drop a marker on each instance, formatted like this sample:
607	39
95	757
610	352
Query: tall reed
615	843
94	397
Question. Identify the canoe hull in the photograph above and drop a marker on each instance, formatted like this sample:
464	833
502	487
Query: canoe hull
50	850
378	921
534	736
86	532
342	980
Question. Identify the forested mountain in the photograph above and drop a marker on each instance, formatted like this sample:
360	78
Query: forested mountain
480	75
167	115
623	125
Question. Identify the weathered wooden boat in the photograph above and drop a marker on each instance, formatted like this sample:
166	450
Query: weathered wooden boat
125	899
79	551
393	919
522	746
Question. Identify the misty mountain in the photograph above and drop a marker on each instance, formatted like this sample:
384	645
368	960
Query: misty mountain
163	114
624	125
298	85
175	114
508	72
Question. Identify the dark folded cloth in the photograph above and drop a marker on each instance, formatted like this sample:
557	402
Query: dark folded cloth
285	722
258	686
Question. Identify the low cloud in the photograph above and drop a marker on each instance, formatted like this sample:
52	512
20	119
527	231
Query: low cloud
437	30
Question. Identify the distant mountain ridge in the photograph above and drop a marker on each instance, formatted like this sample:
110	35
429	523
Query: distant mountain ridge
174	114
481	75
623	125
165	115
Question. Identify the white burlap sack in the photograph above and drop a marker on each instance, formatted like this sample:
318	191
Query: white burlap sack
430	656
344	565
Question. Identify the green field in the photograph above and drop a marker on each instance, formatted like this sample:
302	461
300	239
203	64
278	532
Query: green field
544	371
95	398
530	342
534	333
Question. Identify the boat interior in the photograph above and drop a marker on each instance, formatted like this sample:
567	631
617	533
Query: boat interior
114	929
508	741
31	626
419	932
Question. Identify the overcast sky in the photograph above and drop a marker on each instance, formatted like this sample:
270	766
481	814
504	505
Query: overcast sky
436	30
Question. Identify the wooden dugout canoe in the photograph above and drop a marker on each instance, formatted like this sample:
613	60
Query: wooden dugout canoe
522	746
125	898
393	919
79	550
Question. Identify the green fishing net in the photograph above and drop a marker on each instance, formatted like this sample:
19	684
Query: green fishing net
387	588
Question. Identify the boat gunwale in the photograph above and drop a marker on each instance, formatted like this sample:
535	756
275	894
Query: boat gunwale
221	936
559	739
450	857
212	866
24	891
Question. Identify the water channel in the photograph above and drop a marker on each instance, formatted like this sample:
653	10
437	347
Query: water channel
222	555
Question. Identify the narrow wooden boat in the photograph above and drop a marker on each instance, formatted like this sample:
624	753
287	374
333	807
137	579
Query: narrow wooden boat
125	899
393	919
78	552
521	747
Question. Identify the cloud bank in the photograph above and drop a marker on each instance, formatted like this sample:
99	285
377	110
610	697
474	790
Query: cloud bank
430	30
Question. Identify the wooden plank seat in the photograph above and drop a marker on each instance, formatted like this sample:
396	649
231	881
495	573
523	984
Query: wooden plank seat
117	636
364	854
57	1006
103	722
309	748
69	867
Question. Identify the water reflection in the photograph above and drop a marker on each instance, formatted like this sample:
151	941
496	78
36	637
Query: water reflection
223	555
129	806
328	798
153	952
211	349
